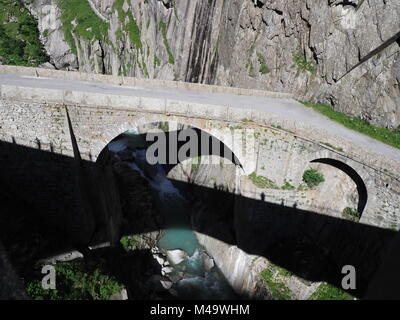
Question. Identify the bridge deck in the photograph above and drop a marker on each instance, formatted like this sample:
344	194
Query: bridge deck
284	108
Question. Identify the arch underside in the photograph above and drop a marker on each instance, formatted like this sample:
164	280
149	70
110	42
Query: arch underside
361	187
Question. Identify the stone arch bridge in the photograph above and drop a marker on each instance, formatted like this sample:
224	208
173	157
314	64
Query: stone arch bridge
270	134
34	115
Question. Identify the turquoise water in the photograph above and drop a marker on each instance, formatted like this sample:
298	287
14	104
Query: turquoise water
183	239
197	284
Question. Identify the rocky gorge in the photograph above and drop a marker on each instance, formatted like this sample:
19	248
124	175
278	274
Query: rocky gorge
205	231
344	53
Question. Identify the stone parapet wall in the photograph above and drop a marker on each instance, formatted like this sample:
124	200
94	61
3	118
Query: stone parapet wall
131	81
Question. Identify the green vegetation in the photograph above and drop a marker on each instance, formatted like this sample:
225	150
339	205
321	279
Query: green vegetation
118	34
351	214
313	178
196	163
144	68
235	127
288	186
252	72
130	27
328	292
78	18
262	182
263	65
164	126
19	36
302	64
388	136
163	28
130	242
157	62
75	282
273	277
133	31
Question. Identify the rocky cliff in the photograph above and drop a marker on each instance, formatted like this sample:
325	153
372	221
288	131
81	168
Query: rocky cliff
345	53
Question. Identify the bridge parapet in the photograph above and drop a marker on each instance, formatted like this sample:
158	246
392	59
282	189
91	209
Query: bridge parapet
159	109
140	82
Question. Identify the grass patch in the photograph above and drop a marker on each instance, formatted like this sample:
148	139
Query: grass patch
157	62
312	178
262	182
144	68
272	276
302	64
130	27
19	36
75	282
328	292
288	186
263	64
388	136
351	214
78	18
163	29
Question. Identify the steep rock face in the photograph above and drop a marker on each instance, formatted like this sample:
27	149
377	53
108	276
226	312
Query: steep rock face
345	53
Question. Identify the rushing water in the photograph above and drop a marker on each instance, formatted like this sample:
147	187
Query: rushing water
196	283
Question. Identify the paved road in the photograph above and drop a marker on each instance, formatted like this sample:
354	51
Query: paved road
284	108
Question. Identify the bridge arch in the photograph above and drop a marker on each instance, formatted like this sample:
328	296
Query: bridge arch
178	129
353	174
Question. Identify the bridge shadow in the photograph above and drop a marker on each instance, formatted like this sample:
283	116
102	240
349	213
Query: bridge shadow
42	215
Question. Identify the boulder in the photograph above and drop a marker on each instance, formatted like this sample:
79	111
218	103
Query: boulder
167	270
208	263
160	259
123	295
166	284
176	256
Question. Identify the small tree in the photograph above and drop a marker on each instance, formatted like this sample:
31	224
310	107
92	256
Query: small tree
312	178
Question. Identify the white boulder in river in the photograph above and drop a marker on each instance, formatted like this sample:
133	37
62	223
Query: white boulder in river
176	256
166	270
160	259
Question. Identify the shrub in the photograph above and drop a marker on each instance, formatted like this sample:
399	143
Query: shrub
351	214
313	178
19	36
73	282
130	242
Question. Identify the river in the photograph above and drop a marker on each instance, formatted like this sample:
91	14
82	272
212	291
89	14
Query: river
192	280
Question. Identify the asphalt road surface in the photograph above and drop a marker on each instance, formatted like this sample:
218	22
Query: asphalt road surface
284	108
